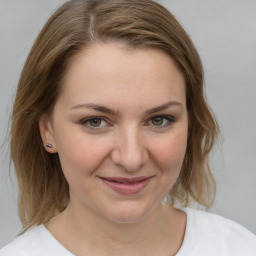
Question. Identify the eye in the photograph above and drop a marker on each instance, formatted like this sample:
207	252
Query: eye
161	121
157	121
94	122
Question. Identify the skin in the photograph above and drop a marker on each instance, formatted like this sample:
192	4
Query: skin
133	139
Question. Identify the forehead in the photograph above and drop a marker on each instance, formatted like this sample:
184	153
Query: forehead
115	71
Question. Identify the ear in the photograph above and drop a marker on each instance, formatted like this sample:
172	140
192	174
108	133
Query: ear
47	134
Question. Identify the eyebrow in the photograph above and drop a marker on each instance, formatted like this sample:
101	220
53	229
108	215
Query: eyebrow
96	107
106	110
164	107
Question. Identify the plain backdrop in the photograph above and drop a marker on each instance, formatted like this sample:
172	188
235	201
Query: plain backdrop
225	35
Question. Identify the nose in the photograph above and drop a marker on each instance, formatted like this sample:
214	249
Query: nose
130	150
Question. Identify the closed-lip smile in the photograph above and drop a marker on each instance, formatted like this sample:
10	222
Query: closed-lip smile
127	186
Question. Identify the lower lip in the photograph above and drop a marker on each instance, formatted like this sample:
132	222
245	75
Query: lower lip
127	189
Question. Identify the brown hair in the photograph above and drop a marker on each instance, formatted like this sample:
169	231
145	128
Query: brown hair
43	190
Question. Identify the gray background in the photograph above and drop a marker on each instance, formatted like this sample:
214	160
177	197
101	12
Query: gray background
225	35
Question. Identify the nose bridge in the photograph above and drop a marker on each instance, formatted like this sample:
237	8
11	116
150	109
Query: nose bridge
131	151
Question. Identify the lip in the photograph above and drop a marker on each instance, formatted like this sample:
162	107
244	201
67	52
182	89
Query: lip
127	186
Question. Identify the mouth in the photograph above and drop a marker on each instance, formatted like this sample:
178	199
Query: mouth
127	186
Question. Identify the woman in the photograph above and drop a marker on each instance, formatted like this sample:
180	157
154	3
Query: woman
109	118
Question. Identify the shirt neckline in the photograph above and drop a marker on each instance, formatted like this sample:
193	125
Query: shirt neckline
186	240
54	241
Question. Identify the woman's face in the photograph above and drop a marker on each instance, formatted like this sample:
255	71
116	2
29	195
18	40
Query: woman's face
120	129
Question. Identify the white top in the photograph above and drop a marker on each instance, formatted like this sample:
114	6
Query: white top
206	234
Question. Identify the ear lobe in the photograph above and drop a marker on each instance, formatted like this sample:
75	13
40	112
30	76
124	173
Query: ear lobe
47	135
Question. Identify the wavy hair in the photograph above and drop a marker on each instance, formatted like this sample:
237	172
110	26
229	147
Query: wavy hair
43	189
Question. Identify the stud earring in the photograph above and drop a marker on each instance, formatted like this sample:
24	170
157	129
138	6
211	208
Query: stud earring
48	145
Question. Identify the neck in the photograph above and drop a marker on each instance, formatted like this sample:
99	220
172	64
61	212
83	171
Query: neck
86	230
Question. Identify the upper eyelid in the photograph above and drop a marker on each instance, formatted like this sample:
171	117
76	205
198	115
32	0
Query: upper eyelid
105	119
163	116
93	117
168	117
85	121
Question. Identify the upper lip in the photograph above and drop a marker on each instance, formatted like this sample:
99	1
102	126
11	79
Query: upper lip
126	180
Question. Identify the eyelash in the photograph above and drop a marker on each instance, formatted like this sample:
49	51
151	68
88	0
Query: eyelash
85	122
168	120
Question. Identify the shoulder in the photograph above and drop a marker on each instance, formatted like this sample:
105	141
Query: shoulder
22	244
223	236
37	242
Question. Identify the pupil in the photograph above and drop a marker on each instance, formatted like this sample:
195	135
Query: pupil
95	122
157	121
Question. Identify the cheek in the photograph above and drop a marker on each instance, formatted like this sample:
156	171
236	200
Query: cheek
172	151
80	155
